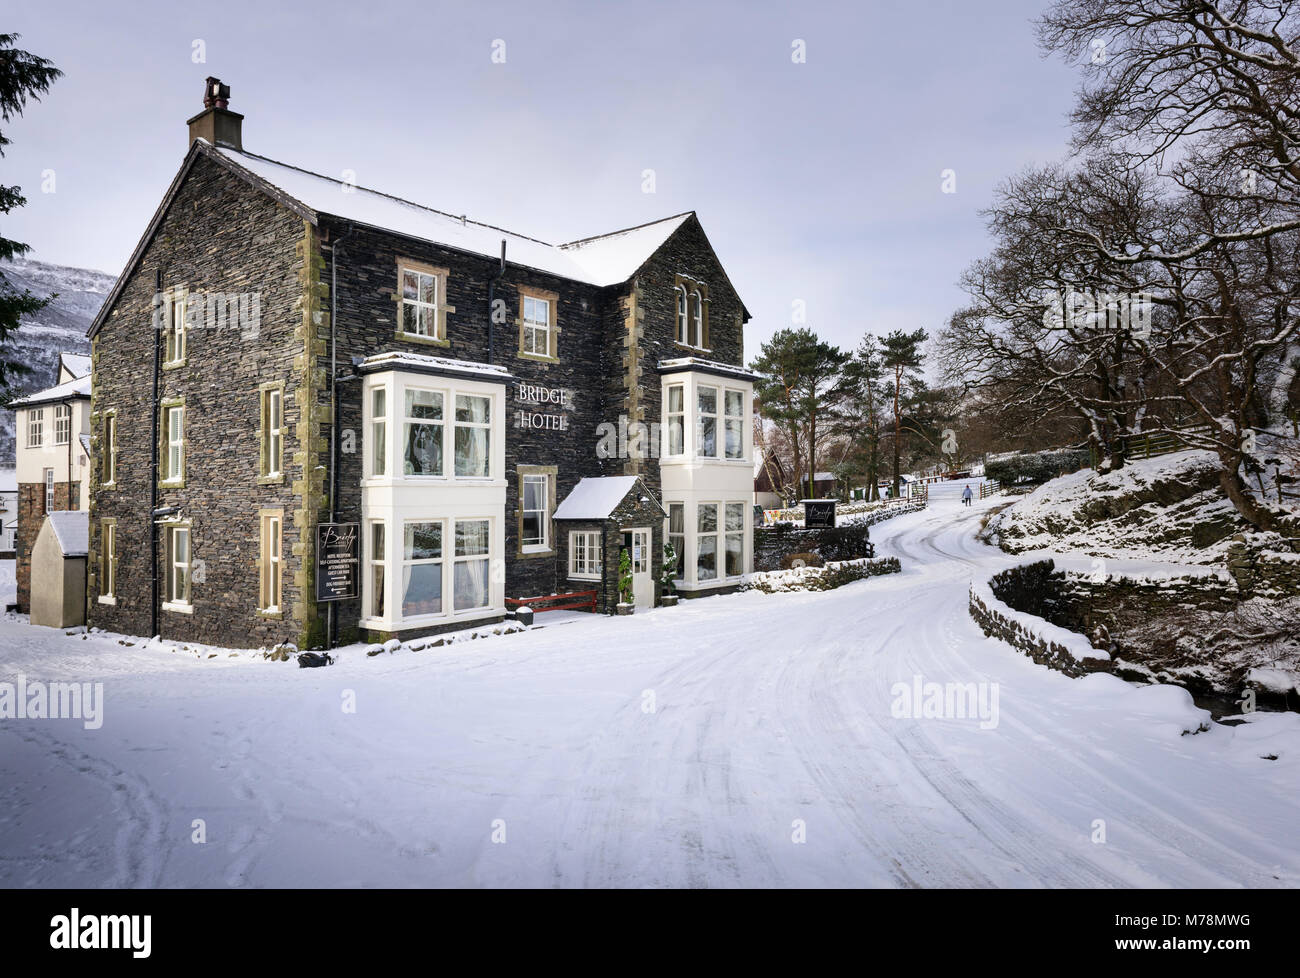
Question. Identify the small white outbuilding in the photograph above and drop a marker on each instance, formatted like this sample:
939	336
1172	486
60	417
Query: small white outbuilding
59	569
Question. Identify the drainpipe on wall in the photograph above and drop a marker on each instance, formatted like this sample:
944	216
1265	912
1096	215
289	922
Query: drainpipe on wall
492	292
153	477
331	619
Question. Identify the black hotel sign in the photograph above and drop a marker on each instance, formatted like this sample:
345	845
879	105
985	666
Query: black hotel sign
819	513
338	560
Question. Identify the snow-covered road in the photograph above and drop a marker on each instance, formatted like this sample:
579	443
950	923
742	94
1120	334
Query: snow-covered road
733	741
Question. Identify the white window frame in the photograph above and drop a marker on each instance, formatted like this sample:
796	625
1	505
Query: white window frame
272	570
683	316
273	432
715	534
62	424
669	416
728	419
544	510
441	560
424	329
582	569
175	442
485	426
533	326
697	320
377	581
726	534
441	423
175	341
35	427
108	562
49	490
678	540
378	430
701	414
178	570
458	558
110	450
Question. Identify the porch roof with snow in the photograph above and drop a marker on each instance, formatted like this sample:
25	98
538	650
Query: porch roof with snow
596	498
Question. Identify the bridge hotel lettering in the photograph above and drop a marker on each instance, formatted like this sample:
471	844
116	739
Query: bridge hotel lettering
383	392
534	399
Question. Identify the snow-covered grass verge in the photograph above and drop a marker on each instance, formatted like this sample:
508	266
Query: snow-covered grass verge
834	574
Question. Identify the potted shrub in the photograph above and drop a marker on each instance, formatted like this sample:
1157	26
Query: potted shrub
668	597
625	601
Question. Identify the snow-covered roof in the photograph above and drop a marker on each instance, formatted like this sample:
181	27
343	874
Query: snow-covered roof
595	498
609	259
72	530
85	443
60	392
398	360
613	258
707	366
76	364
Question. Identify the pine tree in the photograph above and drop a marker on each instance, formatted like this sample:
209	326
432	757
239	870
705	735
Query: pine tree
902	357
23	76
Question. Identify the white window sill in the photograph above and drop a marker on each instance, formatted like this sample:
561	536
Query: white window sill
423	621
535	548
107	599
182	608
584	577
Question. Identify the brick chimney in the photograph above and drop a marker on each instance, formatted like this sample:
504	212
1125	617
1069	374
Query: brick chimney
216	123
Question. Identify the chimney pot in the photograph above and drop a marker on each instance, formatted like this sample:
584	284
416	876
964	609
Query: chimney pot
216	123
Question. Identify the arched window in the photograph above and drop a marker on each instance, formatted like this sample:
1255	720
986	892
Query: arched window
697	319
683	331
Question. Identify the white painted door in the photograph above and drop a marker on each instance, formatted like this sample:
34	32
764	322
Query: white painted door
643	588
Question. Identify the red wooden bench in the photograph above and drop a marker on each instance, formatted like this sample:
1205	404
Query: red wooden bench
576	599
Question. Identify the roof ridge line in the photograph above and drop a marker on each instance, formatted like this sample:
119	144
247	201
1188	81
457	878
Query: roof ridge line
634	227
463	218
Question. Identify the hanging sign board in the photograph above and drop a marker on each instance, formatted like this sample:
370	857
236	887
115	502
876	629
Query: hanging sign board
338	560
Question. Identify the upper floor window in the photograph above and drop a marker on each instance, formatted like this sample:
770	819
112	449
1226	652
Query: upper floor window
538	335
174	443
473	435
676	419
378	431
422	448
173	326
35	427
683	317
706	422
272	412
108	463
62	424
692	313
537	326
422	302
439	432
734	421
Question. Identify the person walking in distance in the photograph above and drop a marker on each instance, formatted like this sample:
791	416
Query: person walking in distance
966	495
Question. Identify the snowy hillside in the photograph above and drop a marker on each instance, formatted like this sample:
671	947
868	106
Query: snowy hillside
1167	508
59	327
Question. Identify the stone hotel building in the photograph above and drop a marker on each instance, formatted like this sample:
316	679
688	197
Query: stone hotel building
497	416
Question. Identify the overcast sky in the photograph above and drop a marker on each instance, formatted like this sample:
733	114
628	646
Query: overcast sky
818	181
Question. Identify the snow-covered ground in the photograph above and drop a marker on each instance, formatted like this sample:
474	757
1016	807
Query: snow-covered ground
747	740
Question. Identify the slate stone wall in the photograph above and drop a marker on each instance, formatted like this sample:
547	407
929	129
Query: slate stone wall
219	236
